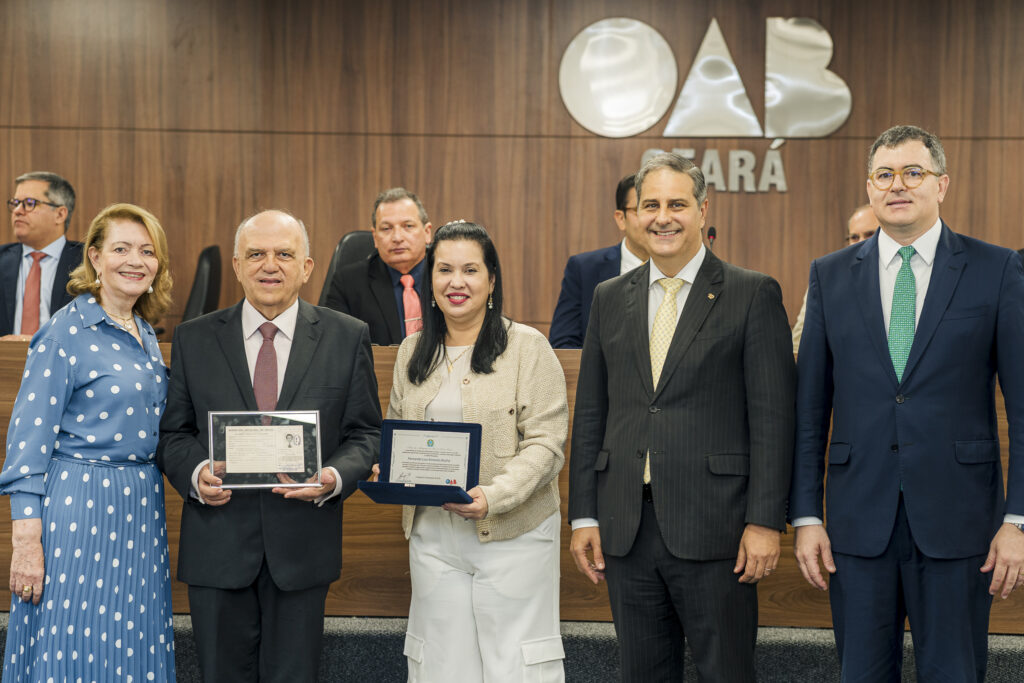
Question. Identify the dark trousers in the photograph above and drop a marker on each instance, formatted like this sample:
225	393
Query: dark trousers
947	602
658	599
258	633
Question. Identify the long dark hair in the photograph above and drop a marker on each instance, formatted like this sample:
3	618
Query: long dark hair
493	337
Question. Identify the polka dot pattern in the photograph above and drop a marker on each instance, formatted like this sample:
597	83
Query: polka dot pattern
71	460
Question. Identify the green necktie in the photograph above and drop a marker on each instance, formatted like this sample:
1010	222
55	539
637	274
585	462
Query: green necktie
902	315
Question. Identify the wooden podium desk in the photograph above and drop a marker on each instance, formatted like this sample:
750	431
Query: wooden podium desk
375	576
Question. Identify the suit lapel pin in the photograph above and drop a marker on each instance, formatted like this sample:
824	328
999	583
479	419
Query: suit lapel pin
711	297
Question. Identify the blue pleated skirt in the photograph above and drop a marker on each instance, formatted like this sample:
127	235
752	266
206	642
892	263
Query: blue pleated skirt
105	612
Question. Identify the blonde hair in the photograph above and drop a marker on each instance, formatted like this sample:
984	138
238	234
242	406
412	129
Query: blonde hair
151	305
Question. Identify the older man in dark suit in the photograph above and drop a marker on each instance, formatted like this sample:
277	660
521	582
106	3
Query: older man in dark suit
34	270
384	290
682	441
258	562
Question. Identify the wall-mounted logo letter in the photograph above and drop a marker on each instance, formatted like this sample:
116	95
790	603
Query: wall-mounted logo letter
617	77
802	98
713	103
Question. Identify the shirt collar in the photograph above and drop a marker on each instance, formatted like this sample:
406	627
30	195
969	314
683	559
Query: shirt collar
688	273
93	314
285	322
90	310
924	246
53	249
416	272
628	260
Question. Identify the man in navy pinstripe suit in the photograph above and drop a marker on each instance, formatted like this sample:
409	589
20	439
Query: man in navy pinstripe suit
679	471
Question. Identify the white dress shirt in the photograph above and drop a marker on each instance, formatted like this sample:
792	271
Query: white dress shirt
253	340
655	295
627	259
47	274
889	263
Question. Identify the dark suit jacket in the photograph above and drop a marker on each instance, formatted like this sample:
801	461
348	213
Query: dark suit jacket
10	262
364	291
719	425
330	369
583	273
934	432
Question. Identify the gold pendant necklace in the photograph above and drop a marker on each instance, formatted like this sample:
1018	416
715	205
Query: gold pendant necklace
451	363
124	323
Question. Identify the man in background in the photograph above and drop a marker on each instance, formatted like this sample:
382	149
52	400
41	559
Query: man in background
34	270
861	225
583	272
384	290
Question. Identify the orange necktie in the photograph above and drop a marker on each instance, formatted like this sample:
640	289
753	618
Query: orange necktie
30	303
411	302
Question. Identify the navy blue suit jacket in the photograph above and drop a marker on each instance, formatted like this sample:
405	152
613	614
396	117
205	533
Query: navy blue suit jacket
933	433
10	262
583	273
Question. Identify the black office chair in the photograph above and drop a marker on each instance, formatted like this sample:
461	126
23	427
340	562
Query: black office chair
205	295
353	246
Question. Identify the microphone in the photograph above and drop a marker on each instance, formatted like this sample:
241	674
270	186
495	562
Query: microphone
712	235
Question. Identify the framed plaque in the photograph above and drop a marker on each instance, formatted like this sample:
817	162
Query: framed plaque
426	463
265	449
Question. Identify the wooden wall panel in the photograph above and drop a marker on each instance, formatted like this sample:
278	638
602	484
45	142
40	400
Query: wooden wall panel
525	190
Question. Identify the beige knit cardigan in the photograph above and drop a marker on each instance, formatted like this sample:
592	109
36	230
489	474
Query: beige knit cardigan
525	416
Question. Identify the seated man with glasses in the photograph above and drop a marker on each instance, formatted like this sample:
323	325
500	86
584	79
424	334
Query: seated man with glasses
585	271
34	270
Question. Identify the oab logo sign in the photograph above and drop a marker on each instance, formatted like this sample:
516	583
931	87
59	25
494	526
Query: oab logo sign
618	77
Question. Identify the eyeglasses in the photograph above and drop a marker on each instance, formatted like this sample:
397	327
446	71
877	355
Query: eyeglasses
29	203
912	177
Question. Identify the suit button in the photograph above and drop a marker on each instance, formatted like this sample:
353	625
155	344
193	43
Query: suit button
485	533
894	448
900	398
639	454
465	380
652	409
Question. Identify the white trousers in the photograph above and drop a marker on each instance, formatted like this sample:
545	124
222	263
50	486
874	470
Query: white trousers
483	611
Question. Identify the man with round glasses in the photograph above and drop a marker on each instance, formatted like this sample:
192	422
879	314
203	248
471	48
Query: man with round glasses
34	270
918	526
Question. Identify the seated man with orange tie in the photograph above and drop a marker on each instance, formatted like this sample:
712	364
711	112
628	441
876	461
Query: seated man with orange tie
384	290
34	270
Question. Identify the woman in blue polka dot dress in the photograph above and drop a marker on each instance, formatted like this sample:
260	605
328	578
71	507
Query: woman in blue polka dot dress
89	573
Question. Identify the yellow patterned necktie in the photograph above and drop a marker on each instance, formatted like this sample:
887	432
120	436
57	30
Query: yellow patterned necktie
661	338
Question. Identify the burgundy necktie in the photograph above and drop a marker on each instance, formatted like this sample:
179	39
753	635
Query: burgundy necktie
30	303
411	303
264	378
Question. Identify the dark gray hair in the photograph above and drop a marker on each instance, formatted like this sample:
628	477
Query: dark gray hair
397	194
679	164
59	192
302	228
897	135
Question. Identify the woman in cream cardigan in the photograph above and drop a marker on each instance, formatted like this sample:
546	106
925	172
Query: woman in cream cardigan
484	574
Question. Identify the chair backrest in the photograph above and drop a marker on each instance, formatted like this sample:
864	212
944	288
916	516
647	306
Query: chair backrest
205	295
353	246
